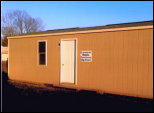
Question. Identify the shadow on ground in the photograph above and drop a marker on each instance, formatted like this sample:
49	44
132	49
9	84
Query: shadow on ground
29	98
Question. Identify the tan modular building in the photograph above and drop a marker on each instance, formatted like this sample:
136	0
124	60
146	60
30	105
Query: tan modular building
116	59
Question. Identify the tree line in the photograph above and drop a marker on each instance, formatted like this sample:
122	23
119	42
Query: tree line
18	22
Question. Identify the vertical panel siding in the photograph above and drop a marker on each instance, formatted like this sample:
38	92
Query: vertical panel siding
145	80
150	60
122	61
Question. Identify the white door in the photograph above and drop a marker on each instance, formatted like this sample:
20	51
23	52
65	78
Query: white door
68	61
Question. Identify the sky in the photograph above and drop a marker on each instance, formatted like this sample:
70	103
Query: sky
69	14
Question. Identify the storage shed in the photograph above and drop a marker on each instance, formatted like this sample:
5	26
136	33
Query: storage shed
4	59
4	53
116	59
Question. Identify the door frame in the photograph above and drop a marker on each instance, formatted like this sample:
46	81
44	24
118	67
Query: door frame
71	39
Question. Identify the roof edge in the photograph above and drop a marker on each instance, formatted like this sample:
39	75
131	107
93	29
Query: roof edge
85	31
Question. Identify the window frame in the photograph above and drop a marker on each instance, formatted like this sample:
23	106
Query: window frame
38	53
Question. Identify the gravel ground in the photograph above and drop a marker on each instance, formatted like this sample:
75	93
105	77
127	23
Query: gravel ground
27	97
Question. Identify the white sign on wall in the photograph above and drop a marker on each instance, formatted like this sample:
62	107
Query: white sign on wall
86	56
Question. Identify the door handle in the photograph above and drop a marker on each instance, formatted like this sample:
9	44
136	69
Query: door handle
62	64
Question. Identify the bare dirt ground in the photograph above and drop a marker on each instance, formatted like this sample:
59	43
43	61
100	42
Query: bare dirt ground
26	97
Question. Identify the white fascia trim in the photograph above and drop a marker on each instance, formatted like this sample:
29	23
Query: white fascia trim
88	31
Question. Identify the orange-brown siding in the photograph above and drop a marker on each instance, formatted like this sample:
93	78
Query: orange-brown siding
122	61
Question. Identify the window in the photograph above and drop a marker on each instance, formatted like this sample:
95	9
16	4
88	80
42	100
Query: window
42	52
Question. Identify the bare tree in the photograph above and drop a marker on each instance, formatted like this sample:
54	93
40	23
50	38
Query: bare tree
8	31
19	22
4	41
19	19
33	25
